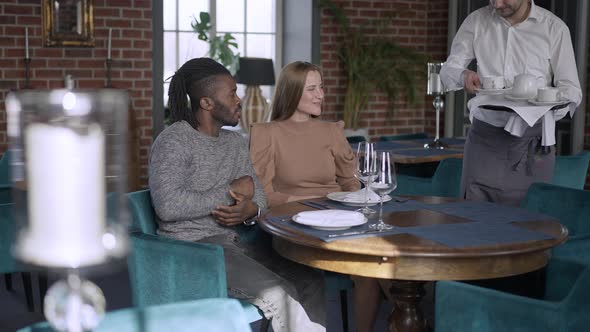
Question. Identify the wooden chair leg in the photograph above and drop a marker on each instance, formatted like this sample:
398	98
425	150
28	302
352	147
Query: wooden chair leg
42	288
344	309
8	281
28	287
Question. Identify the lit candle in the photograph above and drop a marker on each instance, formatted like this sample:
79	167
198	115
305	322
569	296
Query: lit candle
26	43
109	44
66	195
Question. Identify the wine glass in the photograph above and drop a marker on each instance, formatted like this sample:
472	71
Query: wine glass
365	171
384	183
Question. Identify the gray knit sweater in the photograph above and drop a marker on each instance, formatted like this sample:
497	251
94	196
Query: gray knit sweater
189	175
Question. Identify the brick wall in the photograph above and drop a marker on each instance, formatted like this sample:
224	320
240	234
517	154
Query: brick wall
418	24
131	67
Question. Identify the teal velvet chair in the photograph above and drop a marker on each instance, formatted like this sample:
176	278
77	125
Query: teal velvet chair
163	270
403	137
5	181
571	171
577	248
144	221
565	306
212	315
9	265
570	206
7	235
446	181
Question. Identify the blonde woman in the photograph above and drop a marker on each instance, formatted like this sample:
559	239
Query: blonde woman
296	156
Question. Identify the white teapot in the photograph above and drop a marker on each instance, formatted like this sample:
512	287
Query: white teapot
525	86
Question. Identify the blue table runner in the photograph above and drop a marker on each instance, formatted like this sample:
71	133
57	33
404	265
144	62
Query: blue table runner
488	223
426	152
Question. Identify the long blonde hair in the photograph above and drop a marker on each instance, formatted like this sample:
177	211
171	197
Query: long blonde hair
290	89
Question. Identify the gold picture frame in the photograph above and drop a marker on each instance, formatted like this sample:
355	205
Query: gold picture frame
68	23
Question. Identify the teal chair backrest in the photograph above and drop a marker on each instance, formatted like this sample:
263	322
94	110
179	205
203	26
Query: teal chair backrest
577	248
403	137
446	180
163	270
571	171
5	180
7	235
570	206
212	315
565	306
142	212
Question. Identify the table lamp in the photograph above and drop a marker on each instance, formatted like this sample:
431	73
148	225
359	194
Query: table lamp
68	151
254	72
435	88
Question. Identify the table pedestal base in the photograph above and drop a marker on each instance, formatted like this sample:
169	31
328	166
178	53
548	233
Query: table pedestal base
407	315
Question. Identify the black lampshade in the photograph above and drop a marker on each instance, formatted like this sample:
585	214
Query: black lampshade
256	71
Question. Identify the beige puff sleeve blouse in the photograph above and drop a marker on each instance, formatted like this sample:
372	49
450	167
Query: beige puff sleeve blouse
299	159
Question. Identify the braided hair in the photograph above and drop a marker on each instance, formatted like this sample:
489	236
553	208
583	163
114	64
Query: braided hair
196	79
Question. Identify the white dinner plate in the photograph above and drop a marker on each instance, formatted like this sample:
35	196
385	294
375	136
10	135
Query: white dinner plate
340	196
534	101
325	223
492	91
514	98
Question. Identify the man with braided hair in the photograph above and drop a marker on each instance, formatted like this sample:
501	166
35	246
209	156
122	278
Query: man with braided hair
203	185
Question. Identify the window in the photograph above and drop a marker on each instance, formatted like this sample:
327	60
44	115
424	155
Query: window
252	22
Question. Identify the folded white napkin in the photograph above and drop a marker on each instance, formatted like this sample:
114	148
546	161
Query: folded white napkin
359	196
526	116
330	217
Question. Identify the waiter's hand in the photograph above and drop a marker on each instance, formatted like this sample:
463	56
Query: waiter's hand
471	81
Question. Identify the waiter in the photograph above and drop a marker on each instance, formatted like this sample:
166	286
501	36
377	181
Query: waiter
508	38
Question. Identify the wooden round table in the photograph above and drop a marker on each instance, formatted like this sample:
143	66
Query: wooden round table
410	260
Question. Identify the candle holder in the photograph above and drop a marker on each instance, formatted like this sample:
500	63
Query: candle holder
28	73
68	151
435	88
109	66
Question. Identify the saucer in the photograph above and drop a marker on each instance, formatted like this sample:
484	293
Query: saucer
515	98
492	91
340	196
534	101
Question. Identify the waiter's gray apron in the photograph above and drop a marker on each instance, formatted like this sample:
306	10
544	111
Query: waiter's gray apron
499	167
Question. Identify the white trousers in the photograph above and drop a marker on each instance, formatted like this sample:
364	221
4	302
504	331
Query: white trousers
290	295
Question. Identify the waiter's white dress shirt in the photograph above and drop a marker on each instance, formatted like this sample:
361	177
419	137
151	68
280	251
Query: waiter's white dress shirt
540	45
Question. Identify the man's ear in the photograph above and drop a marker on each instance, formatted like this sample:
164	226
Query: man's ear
206	103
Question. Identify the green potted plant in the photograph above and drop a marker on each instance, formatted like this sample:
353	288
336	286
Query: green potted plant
222	49
373	63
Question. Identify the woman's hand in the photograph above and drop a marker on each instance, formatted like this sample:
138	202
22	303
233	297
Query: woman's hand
243	186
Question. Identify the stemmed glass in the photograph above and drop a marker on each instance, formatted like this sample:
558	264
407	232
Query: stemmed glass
384	183
365	171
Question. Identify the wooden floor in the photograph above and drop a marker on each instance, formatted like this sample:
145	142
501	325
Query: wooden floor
14	314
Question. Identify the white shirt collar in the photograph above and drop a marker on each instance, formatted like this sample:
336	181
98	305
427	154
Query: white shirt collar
533	14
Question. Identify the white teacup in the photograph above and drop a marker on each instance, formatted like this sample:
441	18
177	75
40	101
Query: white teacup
492	82
548	94
525	86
